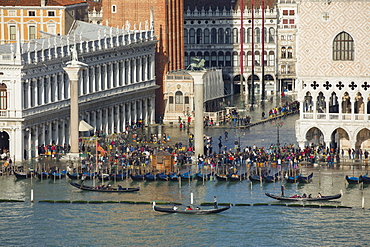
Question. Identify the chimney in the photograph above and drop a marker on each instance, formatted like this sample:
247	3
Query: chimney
43	2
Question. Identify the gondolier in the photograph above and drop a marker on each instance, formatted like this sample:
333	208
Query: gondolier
215	202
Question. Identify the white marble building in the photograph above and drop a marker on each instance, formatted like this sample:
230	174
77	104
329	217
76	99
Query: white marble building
116	88
333	74
179	93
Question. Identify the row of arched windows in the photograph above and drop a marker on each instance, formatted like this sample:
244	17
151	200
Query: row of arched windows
231	59
226	36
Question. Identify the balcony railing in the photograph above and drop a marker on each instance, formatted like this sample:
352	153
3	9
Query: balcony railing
336	116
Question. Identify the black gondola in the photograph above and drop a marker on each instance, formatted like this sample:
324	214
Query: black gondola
163	177
354	180
296	198
174	177
43	175
365	179
118	189
255	178
292	179
235	177
22	175
195	211
118	177
222	177
303	179
272	179
137	177
200	176
74	175
150	177
57	175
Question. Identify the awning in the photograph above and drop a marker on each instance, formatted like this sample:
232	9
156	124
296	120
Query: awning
85	126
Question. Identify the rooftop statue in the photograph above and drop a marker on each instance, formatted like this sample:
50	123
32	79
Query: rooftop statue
197	64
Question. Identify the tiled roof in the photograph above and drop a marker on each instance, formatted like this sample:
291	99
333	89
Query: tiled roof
38	2
221	4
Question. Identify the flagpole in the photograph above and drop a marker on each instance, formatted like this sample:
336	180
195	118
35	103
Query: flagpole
253	55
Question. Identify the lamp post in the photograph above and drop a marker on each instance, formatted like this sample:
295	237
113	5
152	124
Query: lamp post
278	124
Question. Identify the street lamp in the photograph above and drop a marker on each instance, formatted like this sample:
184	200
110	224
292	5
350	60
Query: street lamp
278	124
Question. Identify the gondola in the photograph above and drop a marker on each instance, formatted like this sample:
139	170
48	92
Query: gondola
222	177
187	176
292	179
296	198
150	177
74	175
195	211
255	178
118	189
354	180
272	179
163	177
174	177
200	176
137	177
118	177
57	175
235	177
303	179
22	175
365	179
43	175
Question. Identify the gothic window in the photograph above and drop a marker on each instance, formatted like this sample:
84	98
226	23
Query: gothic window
307	102
220	36
192	36
3	97
271	35
206	36
271	58
220	59
235	36
187	100
206	58
228	59
321	104
249	35
235	59
257	38
249	58
257	58
346	103
213	36
199	36
186	36
170	99
290	52
359	104
213	59
333	104
178	97
228	36
343	47
283	52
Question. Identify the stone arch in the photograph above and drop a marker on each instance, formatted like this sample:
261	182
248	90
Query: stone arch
307	103
363	139
359	104
4	142
340	139
314	137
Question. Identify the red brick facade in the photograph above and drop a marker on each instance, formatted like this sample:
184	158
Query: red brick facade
168	17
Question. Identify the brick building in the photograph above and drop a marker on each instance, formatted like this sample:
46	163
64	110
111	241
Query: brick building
168	20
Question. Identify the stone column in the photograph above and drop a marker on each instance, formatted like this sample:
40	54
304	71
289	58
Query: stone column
152	110
198	118
123	121
73	69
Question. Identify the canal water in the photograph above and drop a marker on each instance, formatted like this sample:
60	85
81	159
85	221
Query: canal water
119	224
